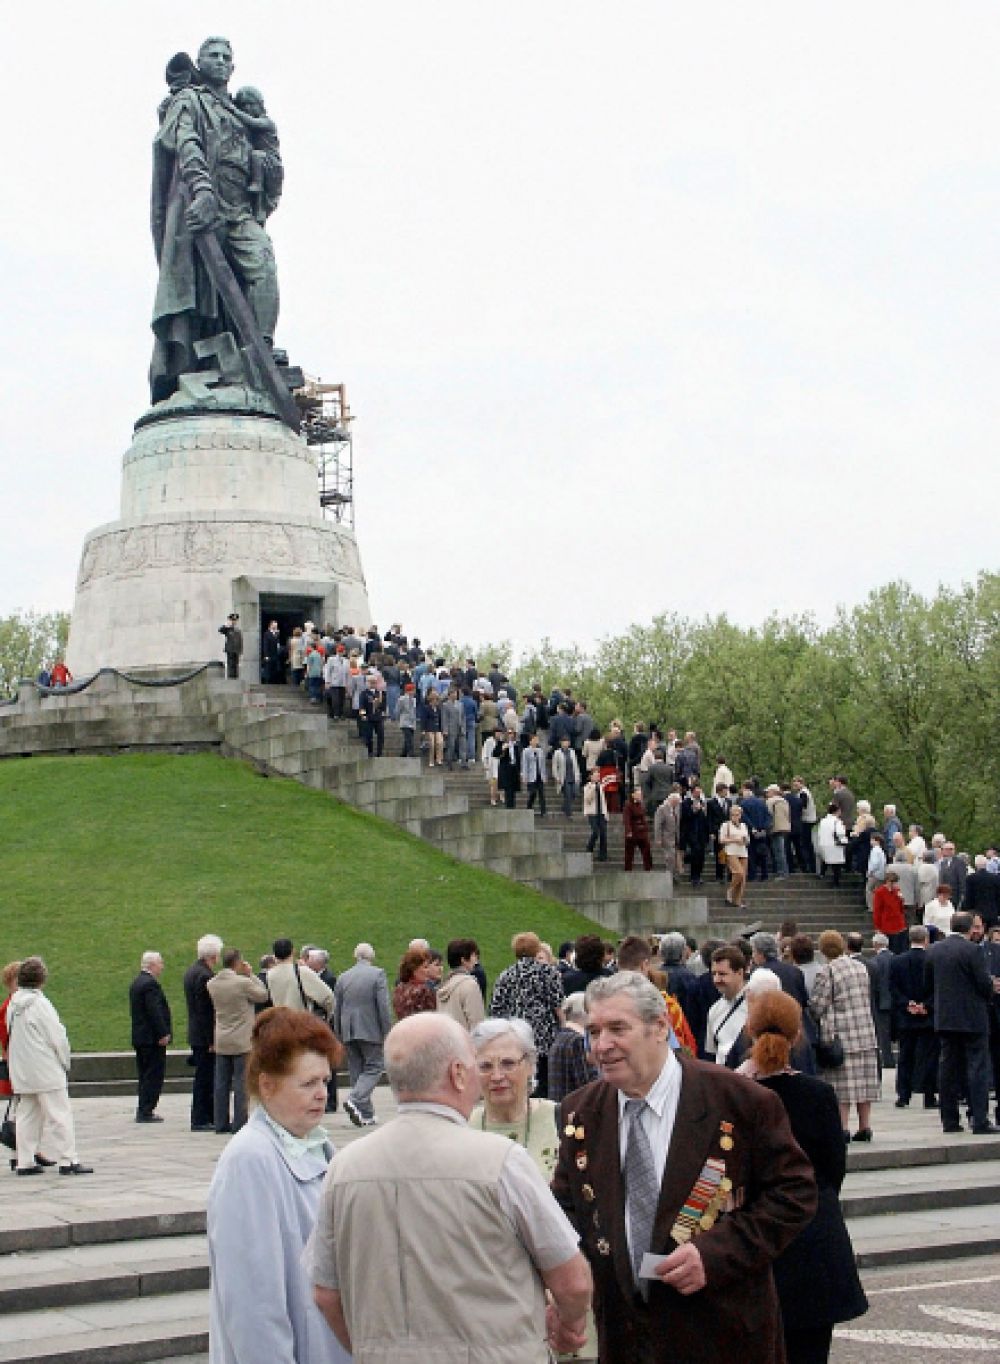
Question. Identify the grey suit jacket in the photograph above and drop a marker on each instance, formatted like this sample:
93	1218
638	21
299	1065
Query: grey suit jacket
361	1004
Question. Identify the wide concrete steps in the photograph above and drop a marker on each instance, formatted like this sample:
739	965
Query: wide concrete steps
906	1202
450	809
162	1327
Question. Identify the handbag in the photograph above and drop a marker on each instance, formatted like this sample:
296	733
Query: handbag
8	1136
830	1054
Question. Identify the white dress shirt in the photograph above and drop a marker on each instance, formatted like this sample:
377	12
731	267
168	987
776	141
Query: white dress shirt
658	1115
726	1020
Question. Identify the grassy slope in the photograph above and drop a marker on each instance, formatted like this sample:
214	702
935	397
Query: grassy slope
105	857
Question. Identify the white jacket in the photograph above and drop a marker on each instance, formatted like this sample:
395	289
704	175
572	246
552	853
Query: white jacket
38	1054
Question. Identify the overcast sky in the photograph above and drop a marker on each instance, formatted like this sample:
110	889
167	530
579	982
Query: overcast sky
640	307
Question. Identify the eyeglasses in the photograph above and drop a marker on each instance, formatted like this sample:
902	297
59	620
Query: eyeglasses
506	1064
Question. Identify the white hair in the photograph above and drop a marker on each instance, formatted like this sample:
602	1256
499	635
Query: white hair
492	1029
865	805
320	952
575	1007
419	945
879	940
763	982
364	952
643	995
209	946
980	861
889	809
148	958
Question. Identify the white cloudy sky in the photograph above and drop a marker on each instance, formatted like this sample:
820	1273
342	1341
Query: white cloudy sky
640	306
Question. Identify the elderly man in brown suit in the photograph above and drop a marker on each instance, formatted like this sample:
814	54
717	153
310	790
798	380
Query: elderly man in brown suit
234	991
684	1182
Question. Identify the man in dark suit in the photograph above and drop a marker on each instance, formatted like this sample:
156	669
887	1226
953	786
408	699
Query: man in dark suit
718	812
201	1032
953	872
882	999
151	1028
991	951
958	982
764	954
916	1069
982	893
689	1165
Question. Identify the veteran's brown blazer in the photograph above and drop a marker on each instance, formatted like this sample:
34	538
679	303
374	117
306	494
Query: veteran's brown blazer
735	1319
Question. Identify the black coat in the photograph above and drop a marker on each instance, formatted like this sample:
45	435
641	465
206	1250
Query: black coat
816	1277
982	896
957	980
793	982
700	999
906	984
881	966
150	1011
694	825
953	872
200	1010
509	768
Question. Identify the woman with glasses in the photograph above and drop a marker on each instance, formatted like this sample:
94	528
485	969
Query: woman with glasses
505	1056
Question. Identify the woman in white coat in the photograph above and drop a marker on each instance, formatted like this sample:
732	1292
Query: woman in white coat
263	1202
832	841
39	1058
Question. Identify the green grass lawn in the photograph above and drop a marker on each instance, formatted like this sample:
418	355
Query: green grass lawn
103	858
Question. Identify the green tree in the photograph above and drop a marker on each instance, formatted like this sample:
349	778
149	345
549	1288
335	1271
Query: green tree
26	639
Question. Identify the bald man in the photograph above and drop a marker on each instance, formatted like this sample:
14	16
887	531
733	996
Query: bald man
435	1237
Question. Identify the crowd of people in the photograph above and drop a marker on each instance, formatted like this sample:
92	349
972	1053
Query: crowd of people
676	810
515	1102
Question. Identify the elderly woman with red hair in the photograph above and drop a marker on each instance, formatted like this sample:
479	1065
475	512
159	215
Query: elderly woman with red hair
816	1276
264	1198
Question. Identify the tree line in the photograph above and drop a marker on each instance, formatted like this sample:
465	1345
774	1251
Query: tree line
27	638
901	693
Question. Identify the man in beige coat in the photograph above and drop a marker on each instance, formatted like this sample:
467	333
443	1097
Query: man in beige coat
438	1242
234	991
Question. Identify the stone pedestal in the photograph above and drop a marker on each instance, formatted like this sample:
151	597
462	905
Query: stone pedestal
219	513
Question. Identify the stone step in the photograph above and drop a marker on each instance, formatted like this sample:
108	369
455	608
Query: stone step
162	1327
28	1230
893	1239
887	1190
102	1272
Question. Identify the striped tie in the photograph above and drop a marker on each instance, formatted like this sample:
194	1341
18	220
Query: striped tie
641	1189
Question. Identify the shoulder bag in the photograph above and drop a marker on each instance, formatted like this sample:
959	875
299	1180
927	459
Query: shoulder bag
830	1054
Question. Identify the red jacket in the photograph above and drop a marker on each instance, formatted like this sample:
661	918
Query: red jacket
5	1085
636	823
888	913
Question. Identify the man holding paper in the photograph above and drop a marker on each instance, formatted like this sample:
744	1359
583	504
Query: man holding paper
684	1182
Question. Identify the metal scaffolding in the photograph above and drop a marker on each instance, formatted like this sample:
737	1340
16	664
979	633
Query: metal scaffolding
326	426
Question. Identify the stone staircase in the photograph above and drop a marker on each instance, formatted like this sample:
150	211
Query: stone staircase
451	810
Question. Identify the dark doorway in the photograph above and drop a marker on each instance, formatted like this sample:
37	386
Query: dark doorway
289	612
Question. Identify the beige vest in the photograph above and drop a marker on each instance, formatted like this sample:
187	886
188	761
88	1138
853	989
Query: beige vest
429	1267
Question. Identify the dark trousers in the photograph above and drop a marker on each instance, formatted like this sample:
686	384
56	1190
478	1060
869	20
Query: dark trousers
203	1089
335	702
804	850
965	1068
643	845
536	788
408	735
598	836
811	1345
151	1067
230	1078
374	735
757	858
916	1069
995	1055
232	665
883	1034
721	870
568	797
509	797
696	862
